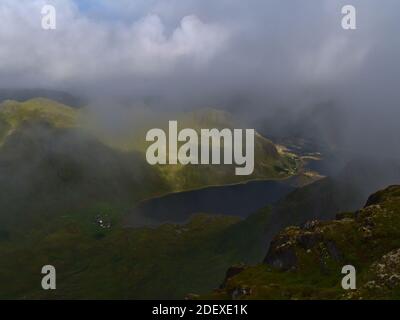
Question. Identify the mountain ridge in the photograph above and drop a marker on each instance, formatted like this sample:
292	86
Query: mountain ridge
269	162
305	262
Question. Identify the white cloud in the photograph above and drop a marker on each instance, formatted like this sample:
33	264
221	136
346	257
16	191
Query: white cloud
150	50
191	49
335	57
83	48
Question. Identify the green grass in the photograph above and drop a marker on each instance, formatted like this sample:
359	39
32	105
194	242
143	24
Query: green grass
56	114
270	163
169	261
369	239
58	178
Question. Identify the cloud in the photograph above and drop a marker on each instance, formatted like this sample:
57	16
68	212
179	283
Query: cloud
83	49
205	52
151	52
259	58
336	56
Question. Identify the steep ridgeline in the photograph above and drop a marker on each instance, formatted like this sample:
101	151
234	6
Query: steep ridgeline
13	115
22	95
50	164
52	161
270	163
306	262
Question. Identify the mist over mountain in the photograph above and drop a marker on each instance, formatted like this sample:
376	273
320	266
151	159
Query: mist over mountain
257	58
299	79
27	94
76	103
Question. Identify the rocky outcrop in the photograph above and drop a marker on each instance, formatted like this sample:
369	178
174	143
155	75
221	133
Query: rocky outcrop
306	262
286	248
386	271
231	272
383	278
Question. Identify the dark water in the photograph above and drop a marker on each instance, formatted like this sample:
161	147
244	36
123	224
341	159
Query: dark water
238	200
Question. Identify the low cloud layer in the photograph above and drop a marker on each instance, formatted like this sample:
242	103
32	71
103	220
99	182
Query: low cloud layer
253	55
228	44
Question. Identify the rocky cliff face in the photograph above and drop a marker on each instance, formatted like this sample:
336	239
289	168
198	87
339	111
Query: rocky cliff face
305	262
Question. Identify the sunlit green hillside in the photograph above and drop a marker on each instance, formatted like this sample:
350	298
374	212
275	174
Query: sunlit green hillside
13	114
269	162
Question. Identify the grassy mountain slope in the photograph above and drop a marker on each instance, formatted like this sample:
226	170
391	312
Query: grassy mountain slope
306	262
269	162
119	263
57	114
58	179
22	95
13	114
50	164
50	161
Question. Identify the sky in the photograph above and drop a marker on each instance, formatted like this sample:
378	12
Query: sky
238	44
255	54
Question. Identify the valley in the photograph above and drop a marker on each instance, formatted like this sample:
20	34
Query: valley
118	228
63	184
305	262
236	200
186	150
